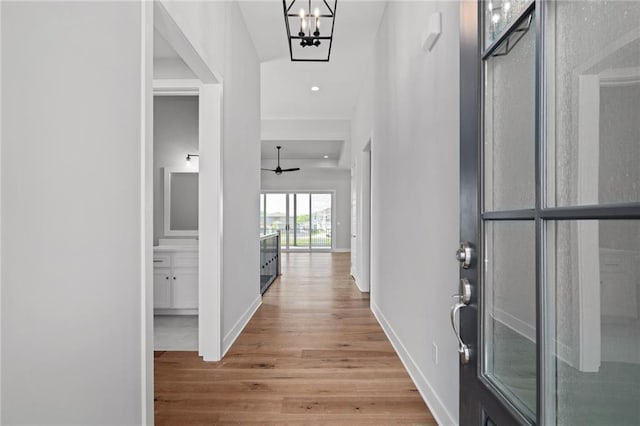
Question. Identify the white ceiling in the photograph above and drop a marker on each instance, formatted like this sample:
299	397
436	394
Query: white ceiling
286	85
302	150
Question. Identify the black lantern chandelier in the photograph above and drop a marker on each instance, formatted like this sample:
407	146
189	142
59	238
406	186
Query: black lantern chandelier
308	29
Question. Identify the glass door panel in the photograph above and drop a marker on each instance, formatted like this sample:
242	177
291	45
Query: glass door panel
302	224
593	102
276	215
509	132
291	219
594	329
321	221
499	14
510	310
508	338
263	227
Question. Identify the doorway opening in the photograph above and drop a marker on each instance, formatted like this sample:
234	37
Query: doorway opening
175	212
361	214
365	221
191	256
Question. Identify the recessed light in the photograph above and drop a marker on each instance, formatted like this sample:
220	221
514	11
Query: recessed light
315	89
326	156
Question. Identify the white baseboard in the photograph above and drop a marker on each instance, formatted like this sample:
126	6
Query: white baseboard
362	290
341	250
430	397
233	334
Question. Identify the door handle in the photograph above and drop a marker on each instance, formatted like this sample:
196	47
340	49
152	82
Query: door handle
463	300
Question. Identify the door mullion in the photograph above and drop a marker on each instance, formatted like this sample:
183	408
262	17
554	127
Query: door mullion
310	221
539	270
541	323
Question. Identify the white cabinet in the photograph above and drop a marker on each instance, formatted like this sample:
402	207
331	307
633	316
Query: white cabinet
175	281
184	288
162	288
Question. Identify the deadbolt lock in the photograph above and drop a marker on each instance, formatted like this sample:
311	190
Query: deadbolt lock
465	291
464	254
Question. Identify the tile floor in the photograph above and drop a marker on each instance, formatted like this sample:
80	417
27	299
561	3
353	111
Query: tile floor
175	332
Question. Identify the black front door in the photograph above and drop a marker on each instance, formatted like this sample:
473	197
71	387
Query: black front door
549	302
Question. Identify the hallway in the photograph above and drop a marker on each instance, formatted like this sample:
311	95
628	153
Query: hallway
312	354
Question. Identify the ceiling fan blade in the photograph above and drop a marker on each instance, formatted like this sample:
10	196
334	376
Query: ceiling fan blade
268	170
291	170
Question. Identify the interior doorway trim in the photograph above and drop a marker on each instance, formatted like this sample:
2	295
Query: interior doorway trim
364	221
209	206
176	87
146	213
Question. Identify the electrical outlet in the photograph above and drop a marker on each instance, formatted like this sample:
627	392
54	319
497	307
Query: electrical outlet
434	353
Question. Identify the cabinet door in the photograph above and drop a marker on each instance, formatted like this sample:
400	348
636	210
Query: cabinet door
185	288
162	288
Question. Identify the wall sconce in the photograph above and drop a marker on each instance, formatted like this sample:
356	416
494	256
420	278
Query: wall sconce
189	157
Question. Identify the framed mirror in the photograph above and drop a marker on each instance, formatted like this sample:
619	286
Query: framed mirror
180	202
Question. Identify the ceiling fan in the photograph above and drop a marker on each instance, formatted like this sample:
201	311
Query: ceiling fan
279	170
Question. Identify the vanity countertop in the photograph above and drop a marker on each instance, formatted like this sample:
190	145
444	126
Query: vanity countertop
191	248
176	244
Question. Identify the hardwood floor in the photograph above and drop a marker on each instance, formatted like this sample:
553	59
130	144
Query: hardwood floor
312	354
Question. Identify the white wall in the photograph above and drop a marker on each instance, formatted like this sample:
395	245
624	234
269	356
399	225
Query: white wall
218	33
206	27
175	134
332	129
320	179
361	134
413	113
241	180
71	213
171	69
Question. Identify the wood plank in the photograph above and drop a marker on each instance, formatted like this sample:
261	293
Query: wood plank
353	405
313	354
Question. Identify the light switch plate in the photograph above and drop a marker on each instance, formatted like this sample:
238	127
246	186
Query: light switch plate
434	28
